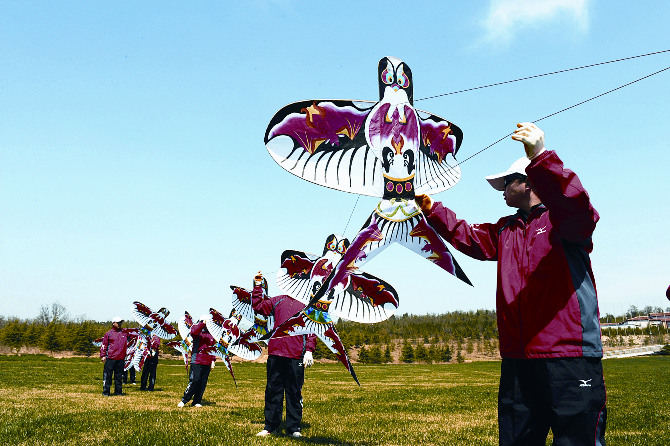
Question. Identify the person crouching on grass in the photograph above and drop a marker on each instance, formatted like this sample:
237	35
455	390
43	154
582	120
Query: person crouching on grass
113	355
201	364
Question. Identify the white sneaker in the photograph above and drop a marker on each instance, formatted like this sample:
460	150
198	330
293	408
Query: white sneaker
263	433
296	434
197	405
181	404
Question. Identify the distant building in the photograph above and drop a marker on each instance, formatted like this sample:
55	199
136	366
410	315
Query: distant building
661	319
651	319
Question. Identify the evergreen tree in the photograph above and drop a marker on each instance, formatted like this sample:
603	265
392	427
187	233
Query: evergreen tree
49	340
12	334
421	353
445	353
321	351
375	355
387	355
407	352
459	358
363	355
83	339
31	337
433	355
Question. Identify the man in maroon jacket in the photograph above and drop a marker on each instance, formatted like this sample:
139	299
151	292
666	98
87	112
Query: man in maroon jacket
150	365
287	359
201	364
113	355
548	319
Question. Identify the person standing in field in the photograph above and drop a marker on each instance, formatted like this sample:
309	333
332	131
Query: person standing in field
547	308
113	355
201	364
287	359
150	365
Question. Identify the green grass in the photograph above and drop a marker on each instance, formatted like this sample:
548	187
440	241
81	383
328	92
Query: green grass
45	401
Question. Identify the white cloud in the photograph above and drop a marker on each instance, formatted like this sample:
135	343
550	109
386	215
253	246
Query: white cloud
508	17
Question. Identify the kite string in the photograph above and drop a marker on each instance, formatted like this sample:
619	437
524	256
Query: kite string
350	215
565	109
541	75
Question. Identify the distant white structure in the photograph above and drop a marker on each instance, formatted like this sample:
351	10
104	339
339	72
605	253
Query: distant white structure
651	319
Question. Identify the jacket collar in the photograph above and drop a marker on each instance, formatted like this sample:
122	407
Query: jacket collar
534	211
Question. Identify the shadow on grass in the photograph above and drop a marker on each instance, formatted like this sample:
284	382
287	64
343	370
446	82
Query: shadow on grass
331	441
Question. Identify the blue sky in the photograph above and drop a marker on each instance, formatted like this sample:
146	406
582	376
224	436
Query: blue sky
132	163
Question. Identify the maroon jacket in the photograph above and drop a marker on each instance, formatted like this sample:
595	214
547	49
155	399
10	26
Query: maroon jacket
283	307
201	339
114	344
546	297
154	345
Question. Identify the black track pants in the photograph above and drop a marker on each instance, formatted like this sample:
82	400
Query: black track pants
198	376
285	376
112	367
564	394
149	373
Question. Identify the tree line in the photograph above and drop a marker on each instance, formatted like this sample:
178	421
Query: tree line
408	338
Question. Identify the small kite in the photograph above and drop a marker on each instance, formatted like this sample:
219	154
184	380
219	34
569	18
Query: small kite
262	325
151	323
307	321
386	149
227	335
185	345
356	296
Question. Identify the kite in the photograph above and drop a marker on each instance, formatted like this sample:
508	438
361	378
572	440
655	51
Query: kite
185	346
262	325
386	149
227	335
151	323
357	296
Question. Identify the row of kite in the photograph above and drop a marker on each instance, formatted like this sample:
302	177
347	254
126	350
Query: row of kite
359	297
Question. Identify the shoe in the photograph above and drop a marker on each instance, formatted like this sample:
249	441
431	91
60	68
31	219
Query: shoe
143	389
296	434
263	433
181	404
197	405
105	394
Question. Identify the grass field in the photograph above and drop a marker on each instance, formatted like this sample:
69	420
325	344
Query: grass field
45	401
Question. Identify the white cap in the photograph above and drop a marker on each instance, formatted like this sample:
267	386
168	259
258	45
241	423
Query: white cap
497	181
117	319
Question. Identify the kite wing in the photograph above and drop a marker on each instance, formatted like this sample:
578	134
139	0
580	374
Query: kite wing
294	275
323	141
153	321
183	348
367	299
142	313
184	325
165	331
222	352
245	349
137	354
242	302
436	167
318	322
